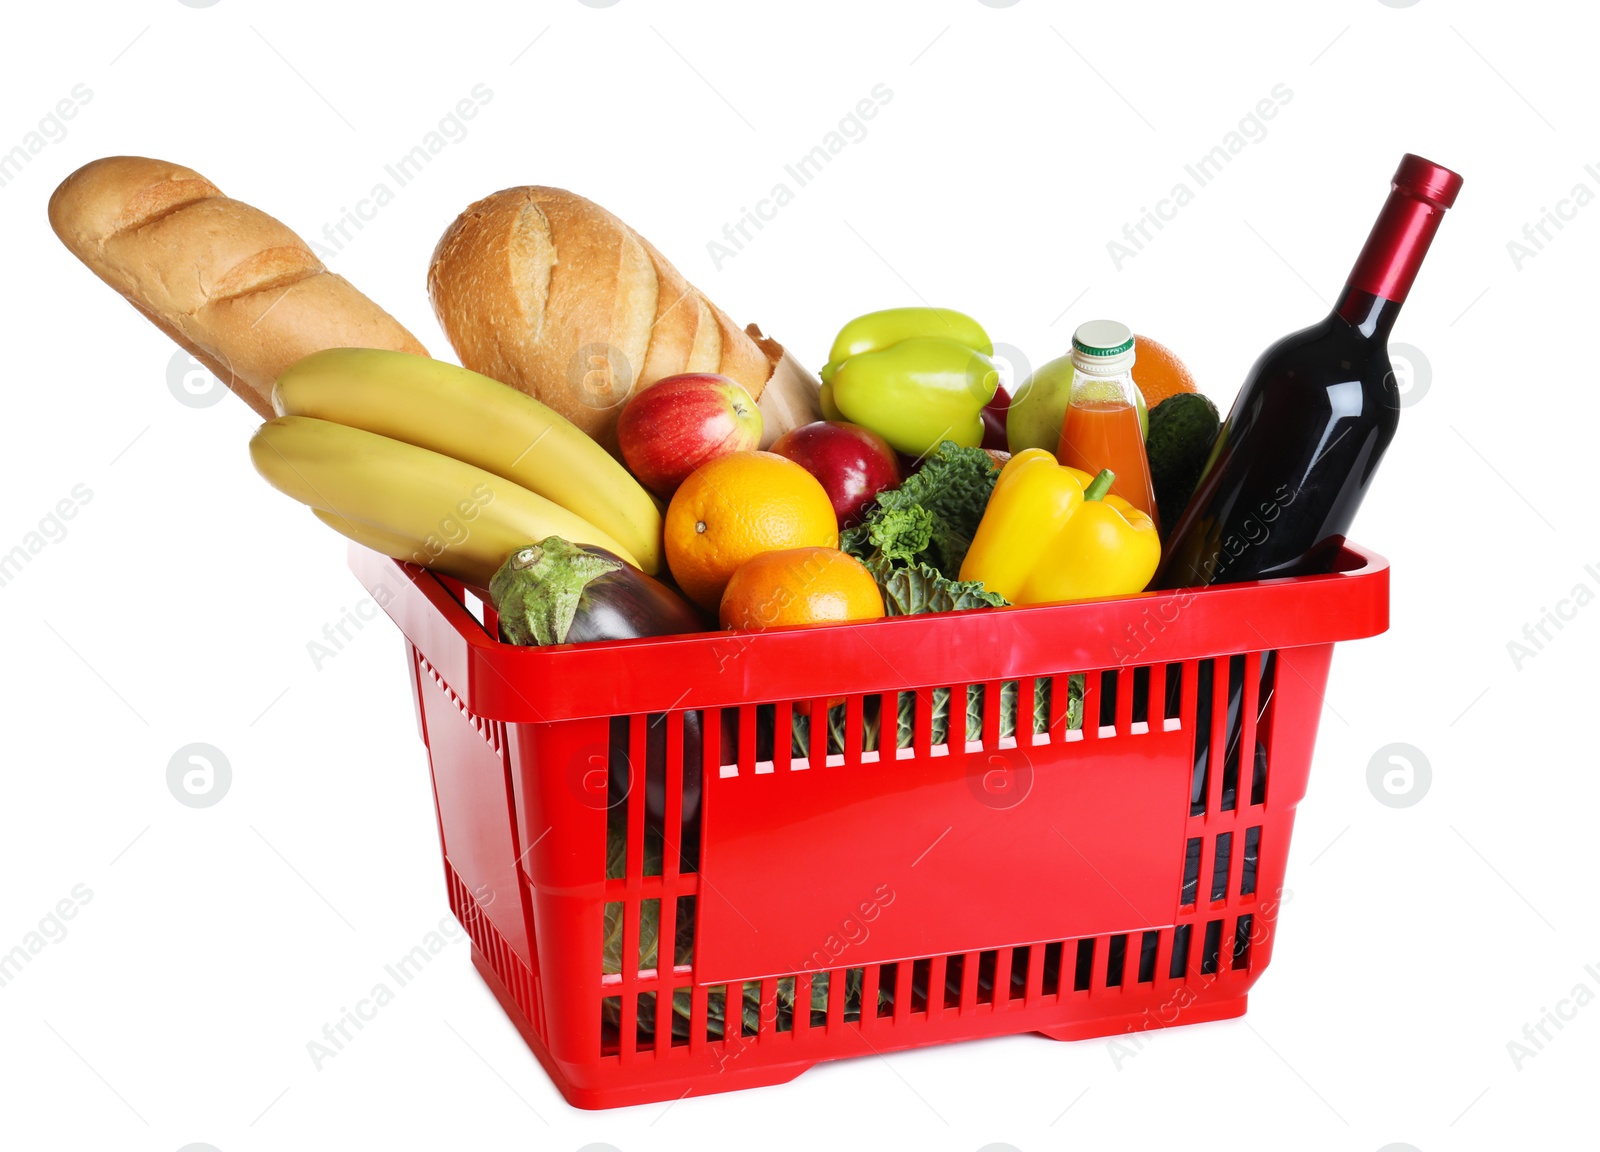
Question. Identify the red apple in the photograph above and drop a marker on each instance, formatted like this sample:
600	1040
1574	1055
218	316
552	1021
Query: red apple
678	423
994	420
853	463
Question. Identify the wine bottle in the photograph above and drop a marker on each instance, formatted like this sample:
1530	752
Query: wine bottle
1316	412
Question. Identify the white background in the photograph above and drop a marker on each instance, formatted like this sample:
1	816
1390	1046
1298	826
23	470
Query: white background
1019	140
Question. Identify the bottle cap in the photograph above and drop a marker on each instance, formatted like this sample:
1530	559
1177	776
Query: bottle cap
1426	180
1102	348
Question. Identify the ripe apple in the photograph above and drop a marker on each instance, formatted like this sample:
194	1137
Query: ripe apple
678	423
853	463
994	420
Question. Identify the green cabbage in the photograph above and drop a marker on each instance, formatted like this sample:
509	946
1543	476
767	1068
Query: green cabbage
932	517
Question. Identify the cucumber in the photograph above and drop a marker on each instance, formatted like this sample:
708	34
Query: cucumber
1183	428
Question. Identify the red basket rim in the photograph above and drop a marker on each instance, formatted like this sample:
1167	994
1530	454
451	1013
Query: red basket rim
572	681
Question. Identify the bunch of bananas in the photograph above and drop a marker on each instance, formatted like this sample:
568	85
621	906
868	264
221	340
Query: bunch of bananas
431	463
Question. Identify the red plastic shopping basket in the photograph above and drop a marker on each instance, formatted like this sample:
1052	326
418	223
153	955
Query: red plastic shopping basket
1115	865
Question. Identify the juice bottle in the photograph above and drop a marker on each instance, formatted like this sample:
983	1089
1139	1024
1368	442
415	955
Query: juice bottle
1101	429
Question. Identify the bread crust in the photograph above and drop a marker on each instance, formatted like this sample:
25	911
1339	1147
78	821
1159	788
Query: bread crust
550	293
235	287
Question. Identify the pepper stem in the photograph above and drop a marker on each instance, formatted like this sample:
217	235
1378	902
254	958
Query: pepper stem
1100	485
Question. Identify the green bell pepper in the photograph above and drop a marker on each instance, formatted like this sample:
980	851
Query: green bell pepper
915	376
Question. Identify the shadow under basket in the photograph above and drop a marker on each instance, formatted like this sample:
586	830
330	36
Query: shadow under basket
699	863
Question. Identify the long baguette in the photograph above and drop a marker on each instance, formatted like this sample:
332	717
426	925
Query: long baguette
550	293
240	291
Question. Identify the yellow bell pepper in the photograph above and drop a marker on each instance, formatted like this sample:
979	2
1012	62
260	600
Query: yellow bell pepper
1053	533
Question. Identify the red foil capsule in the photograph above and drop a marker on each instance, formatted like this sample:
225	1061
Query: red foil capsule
1388	263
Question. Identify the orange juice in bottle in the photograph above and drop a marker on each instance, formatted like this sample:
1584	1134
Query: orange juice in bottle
1101	429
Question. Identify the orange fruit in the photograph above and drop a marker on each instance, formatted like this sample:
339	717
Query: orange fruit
800	586
1157	372
737	507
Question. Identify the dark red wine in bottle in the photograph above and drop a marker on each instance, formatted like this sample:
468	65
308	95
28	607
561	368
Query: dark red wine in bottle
1315	414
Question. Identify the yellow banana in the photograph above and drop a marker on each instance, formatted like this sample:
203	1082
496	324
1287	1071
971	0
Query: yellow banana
483	422
465	520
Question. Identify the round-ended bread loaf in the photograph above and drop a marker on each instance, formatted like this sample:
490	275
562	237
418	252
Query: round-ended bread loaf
552	294
236	288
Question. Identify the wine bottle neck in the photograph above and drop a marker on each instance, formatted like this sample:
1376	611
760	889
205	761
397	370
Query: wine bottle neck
1419	194
1400	237
1372	315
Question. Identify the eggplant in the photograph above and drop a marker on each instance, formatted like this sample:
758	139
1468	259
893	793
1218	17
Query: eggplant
558	592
